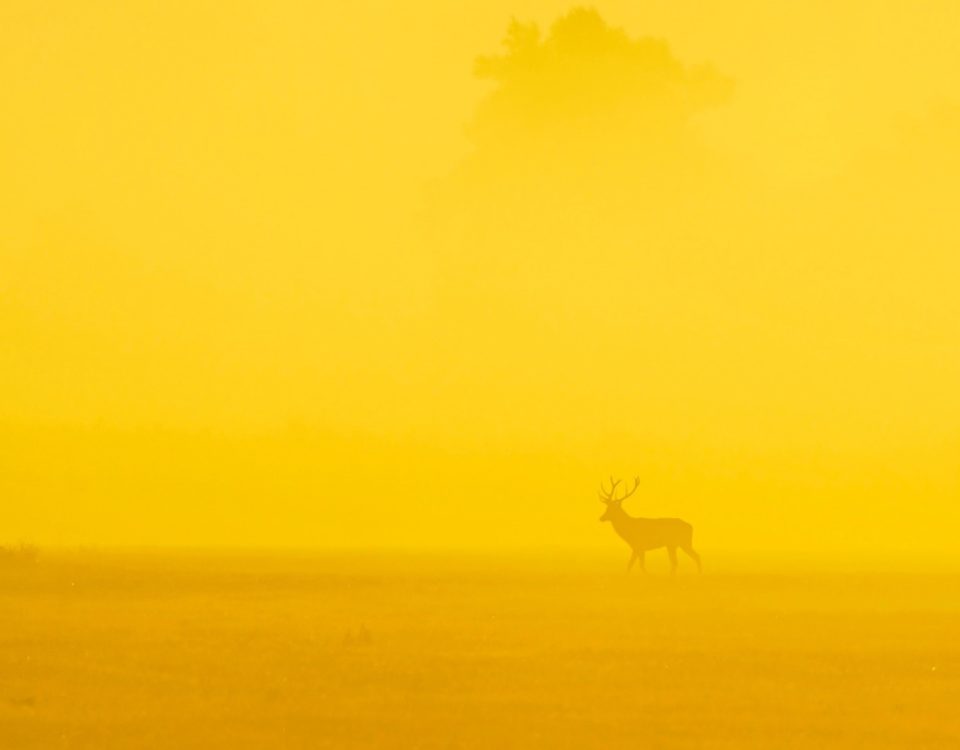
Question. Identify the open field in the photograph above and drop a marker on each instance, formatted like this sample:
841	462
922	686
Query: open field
206	651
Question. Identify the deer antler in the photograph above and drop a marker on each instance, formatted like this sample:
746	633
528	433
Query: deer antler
610	497
607	497
636	483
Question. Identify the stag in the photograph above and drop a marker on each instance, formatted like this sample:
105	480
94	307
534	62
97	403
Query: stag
643	534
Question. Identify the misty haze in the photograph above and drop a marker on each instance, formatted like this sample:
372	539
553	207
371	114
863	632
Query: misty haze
322	325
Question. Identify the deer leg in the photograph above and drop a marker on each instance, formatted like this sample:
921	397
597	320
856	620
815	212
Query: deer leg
672	551
633	557
692	553
641	555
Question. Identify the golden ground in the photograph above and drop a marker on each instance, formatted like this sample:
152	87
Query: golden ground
218	651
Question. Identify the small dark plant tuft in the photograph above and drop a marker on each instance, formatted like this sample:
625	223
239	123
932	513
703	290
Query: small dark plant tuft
20	554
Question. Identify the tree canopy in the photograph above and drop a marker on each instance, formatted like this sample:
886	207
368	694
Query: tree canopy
585	78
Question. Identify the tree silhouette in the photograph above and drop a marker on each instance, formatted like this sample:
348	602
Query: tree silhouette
588	82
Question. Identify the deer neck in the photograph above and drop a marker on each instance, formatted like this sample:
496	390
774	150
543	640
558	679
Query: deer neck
622	523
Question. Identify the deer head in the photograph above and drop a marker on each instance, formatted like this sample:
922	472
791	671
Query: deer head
611	500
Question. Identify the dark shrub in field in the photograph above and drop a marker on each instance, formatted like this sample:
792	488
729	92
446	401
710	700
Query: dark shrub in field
21	554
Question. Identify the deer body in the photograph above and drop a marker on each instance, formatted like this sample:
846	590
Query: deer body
643	534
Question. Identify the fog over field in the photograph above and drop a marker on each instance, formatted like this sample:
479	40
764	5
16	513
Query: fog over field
419	275
321	325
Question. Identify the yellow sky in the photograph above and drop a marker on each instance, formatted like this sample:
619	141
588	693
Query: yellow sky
289	275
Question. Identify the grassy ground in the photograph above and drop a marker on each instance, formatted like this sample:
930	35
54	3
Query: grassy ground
197	651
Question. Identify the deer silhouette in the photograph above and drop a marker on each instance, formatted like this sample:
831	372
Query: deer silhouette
644	534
